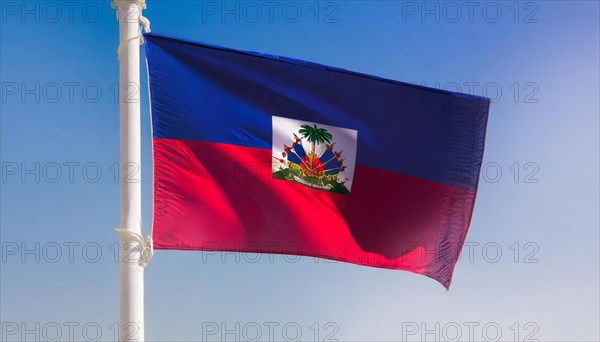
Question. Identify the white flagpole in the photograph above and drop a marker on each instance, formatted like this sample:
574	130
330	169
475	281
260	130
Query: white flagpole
132	246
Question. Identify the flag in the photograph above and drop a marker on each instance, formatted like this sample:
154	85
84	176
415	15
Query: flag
266	154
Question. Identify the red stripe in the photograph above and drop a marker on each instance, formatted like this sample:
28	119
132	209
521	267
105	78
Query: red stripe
221	197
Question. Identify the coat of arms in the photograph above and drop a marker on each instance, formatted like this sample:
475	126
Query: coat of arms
319	156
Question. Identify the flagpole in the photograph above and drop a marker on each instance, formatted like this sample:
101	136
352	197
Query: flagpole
131	327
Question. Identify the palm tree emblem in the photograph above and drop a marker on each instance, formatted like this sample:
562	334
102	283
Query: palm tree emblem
315	136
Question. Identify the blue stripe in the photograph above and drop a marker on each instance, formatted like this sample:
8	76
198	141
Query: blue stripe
213	94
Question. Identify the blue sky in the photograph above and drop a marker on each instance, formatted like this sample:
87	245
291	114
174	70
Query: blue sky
531	265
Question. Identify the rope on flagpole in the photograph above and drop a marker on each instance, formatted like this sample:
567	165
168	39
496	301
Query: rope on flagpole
144	247
145	23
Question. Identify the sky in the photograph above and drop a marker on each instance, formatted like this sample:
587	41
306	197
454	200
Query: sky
530	267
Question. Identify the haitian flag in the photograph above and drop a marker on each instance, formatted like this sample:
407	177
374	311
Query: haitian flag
266	154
